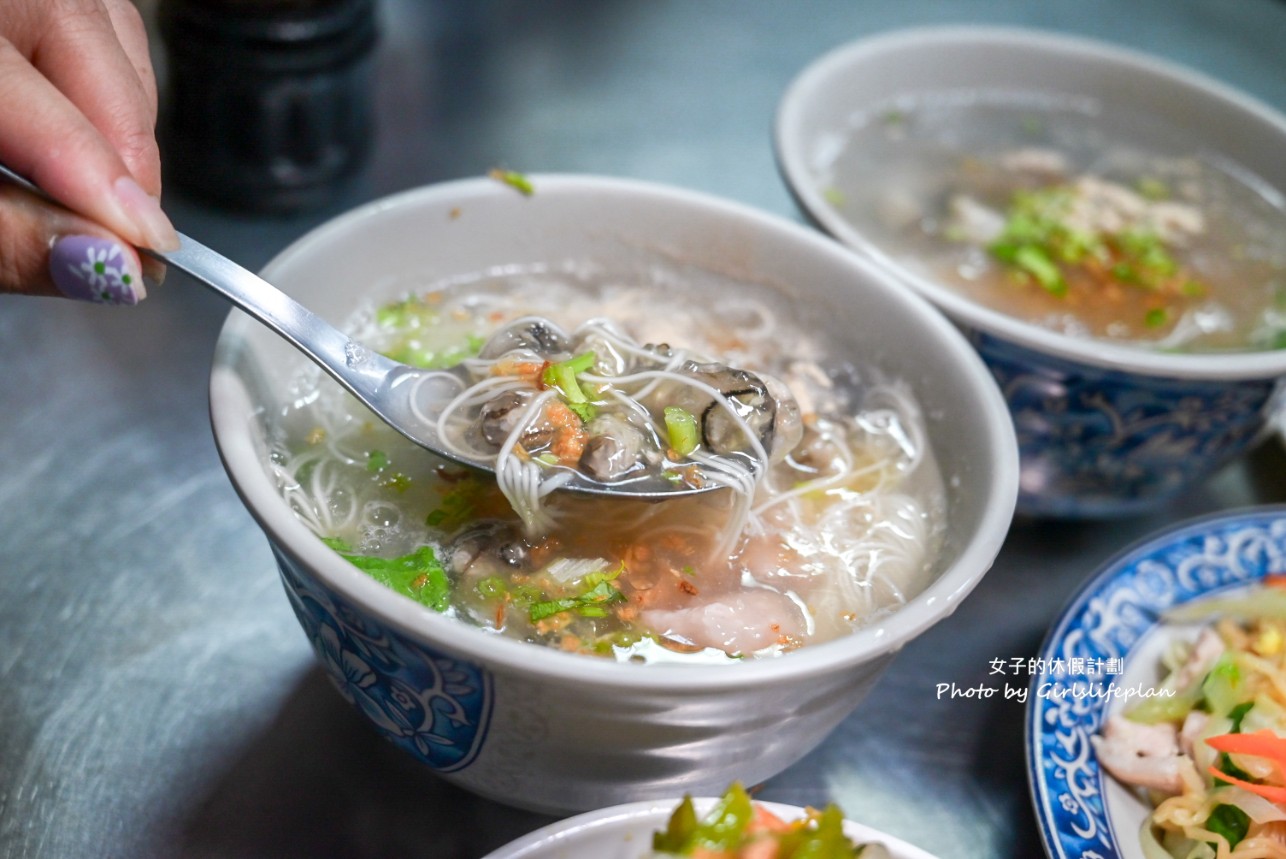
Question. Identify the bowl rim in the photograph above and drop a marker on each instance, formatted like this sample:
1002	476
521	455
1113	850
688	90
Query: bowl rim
234	441
792	163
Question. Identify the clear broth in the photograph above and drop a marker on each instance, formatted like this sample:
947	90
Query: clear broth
897	170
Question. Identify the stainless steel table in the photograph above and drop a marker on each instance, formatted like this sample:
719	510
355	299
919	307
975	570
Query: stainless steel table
156	696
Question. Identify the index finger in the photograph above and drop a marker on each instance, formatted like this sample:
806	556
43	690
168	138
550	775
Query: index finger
96	55
45	137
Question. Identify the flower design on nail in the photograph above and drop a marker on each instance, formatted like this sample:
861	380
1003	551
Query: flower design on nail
94	269
105	279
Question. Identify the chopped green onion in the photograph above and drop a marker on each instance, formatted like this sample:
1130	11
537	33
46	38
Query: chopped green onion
1125	273
376	461
1152	188
397	481
492	587
412	351
681	428
584	411
1036	239
1156	317
413	312
562	375
514	180
1037	263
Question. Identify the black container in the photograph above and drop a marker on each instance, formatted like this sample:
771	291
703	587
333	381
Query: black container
268	102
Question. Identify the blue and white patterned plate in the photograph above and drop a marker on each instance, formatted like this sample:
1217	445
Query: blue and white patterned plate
1102	654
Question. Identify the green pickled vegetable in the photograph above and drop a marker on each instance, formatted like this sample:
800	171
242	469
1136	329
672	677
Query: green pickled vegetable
679	831
826	841
724	827
732	825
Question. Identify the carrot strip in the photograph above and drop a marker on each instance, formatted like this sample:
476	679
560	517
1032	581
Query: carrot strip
1270	792
1261	744
1275	580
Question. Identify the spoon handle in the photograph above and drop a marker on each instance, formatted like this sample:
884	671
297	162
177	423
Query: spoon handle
351	364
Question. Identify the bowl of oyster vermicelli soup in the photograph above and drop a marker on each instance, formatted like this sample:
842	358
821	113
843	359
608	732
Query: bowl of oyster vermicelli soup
558	649
1108	228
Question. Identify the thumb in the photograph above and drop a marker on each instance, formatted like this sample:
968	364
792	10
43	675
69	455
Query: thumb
46	250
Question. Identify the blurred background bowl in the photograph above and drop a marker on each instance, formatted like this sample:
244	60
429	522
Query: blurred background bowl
553	731
1103	428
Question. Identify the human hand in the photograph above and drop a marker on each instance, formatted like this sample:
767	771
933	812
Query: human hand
78	118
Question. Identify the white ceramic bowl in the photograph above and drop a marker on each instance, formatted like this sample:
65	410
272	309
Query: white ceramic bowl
625	832
554	731
1102	428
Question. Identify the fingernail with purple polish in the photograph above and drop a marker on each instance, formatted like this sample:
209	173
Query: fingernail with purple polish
90	268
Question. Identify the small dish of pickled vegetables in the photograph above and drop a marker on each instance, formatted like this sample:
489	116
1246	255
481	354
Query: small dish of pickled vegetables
732	826
1157	721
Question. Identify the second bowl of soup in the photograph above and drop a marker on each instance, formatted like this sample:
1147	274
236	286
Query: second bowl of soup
1108	229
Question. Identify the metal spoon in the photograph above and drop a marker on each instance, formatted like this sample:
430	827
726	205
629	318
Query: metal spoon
400	395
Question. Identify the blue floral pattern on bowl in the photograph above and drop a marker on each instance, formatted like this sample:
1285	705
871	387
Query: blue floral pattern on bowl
1096	442
1091	641
429	704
